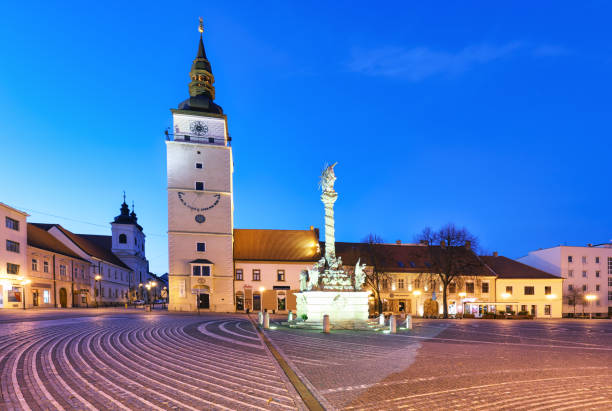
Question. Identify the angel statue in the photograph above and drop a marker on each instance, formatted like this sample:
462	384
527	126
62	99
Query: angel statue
359	274
328	178
313	276
303	280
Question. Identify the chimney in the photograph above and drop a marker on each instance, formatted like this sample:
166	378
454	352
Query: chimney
494	253
398	242
311	228
468	244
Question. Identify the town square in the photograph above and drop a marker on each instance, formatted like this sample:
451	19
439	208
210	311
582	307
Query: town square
407	214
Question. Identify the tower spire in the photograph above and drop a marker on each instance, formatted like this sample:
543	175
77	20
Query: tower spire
201	87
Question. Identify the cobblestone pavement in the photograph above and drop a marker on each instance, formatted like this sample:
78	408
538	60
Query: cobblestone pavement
458	364
129	360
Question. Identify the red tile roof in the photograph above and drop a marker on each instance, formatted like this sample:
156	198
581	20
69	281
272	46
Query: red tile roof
505	267
39	238
276	245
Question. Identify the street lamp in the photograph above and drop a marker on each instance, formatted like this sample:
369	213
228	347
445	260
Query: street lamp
589	298
98	278
24	283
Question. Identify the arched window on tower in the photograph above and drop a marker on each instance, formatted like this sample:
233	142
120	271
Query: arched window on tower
122	239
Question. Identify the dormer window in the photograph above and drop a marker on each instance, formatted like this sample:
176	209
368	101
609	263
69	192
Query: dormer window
122	239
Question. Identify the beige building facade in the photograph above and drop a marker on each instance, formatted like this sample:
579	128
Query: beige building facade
13	257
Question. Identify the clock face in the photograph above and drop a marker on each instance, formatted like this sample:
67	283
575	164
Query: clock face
198	128
198	202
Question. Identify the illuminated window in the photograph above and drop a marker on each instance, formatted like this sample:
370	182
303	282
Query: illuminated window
469	288
400	283
280	275
46	297
509	289
529	290
34	264
485	288
12	268
256	275
547	290
239	275
547	309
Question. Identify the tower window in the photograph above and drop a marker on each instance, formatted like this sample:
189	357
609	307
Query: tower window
199	185
211	139
201	247
122	239
198	165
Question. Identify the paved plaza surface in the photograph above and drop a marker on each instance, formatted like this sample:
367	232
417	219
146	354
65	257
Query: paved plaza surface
129	359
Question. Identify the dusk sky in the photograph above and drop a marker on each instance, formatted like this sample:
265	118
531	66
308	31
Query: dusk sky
494	117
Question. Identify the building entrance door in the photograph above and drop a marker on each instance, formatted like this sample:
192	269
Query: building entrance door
256	302
63	297
239	303
204	301
35	298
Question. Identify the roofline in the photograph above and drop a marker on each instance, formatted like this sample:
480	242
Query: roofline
57	252
277	261
14	209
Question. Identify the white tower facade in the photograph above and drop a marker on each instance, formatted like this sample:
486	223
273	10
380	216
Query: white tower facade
200	200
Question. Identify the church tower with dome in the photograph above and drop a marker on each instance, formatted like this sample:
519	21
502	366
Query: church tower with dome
200	198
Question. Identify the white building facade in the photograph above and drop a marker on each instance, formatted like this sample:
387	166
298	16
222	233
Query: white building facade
13	257
587	272
200	199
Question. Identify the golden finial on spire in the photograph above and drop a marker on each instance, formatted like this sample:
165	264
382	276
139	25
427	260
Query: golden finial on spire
201	27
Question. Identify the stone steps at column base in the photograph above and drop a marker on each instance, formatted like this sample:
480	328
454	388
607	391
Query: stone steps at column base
340	325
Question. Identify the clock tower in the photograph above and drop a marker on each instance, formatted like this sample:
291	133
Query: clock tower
200	199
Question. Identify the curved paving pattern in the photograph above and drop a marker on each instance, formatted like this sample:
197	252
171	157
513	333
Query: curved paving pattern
152	362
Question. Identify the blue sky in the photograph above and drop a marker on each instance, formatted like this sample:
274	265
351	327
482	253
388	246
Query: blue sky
494	117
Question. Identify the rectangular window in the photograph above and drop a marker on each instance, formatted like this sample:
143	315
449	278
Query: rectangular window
196	270
12	246
584	274
610	265
12	268
485	288
469	288
452	288
570	259
256	275
198	165
280	275
509	289
597	274
206	270
46	297
239	275
400	283
609	281
14	295
12	224
34	264
547	290
584	260
547	309
523	308
211	139
201	247
46	266
609	295
570	287
584	287
529	290
199	185
596	287
570	273
596	260
62	269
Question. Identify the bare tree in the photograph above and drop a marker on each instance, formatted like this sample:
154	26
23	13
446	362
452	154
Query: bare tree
573	296
451	256
377	261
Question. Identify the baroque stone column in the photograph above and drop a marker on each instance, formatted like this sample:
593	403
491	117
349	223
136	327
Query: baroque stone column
329	198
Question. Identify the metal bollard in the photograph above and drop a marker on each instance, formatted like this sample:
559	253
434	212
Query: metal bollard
409	322
381	319
266	323
326	325
260	318
392	324
290	317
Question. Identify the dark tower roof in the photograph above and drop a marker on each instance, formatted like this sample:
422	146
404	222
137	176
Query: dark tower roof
201	87
125	217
